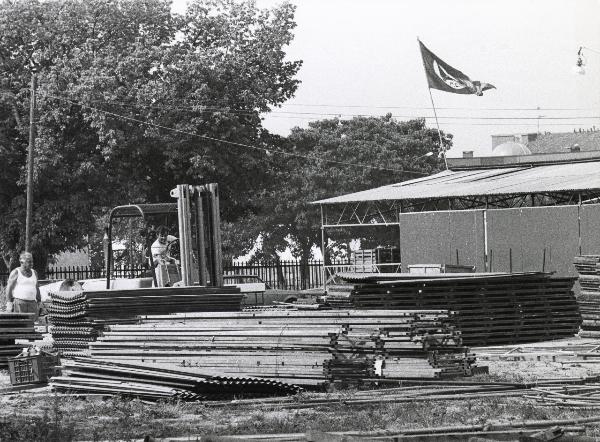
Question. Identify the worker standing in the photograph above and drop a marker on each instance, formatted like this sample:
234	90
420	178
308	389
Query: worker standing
22	290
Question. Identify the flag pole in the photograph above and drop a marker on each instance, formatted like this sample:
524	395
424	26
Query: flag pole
437	123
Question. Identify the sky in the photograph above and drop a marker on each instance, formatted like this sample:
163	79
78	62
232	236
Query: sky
362	58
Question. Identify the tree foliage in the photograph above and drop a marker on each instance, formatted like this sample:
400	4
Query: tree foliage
105	66
378	150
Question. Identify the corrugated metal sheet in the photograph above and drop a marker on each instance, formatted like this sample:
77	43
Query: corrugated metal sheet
515	180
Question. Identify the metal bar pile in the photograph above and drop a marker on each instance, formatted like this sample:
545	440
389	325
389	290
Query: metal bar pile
412	391
570	396
588	267
305	348
543	430
15	326
491	309
78	317
90	376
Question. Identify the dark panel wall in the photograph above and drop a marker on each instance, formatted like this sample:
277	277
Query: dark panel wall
434	238
525	233
590	229
521	234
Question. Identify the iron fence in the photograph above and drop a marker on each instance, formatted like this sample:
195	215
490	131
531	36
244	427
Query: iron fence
285	275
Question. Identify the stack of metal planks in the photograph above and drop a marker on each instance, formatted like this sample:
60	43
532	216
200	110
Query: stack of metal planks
15	326
491	309
78	317
299	347
588	267
90	376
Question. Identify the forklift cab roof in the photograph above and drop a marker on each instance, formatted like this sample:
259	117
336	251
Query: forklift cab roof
142	210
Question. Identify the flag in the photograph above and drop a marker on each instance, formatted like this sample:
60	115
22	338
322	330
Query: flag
444	77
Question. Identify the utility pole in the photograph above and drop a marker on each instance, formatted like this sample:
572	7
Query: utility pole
32	127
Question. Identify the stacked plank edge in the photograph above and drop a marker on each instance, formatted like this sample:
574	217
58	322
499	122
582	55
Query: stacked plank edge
491	309
295	347
78	317
588	267
15	326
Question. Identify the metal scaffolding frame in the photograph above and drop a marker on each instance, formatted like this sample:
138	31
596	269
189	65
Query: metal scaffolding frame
386	213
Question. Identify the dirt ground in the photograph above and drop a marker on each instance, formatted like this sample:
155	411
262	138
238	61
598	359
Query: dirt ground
39	415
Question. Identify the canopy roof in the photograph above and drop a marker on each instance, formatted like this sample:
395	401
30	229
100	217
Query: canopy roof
571	177
142	210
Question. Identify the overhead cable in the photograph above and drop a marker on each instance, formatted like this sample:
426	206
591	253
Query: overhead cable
270	149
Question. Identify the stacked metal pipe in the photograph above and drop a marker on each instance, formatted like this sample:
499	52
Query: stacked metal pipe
588	267
79	317
90	376
491	309
305	348
15	326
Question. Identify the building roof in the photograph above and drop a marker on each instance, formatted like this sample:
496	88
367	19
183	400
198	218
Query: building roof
561	142
481	182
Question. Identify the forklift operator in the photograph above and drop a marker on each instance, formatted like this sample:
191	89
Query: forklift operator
160	246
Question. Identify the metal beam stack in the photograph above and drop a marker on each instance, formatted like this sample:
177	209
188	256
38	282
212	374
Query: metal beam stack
588	267
305	348
78	317
15	326
90	376
491	309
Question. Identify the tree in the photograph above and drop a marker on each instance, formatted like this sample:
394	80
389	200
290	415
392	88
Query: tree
134	100
379	142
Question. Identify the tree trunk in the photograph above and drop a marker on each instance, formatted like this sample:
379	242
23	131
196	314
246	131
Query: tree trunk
304	270
281	283
40	262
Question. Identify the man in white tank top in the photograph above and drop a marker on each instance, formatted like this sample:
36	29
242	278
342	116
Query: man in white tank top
22	290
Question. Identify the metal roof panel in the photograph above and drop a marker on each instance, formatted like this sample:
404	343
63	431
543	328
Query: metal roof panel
477	182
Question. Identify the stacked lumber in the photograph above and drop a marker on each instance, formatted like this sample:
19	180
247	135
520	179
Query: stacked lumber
588	267
491	309
15	326
339	296
299	347
79	317
587	264
89	376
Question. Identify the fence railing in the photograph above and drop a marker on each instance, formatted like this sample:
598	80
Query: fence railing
285	275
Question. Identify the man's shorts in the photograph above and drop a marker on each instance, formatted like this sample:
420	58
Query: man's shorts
22	306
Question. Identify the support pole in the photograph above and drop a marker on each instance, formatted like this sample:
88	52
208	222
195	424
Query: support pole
109	253
579	242
30	150
323	249
486	257
398	217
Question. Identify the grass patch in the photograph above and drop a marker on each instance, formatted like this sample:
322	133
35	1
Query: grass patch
59	418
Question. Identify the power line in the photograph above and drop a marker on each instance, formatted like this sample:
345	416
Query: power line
360	106
450	123
250	112
234	143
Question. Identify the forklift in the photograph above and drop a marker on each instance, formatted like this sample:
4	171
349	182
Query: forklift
199	240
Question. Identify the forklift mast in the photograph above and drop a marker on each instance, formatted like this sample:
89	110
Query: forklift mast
199	234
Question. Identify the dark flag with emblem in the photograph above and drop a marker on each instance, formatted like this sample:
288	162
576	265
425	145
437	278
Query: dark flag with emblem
442	76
